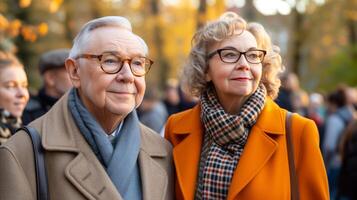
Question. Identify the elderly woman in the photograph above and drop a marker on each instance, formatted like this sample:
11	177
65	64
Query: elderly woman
232	145
13	94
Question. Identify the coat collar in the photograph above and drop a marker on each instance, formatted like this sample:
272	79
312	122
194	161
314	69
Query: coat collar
259	145
268	124
60	133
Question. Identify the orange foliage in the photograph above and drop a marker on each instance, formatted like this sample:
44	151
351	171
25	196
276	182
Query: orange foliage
14	28
28	33
54	5
24	3
4	23
42	29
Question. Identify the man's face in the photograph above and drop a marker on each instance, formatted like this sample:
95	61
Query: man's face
102	93
57	82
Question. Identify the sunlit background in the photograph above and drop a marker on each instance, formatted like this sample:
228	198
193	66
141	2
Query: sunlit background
317	38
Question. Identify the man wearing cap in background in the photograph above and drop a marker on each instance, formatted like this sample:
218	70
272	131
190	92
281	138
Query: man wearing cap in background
55	83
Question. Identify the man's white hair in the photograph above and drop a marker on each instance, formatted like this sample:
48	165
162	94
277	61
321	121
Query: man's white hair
83	35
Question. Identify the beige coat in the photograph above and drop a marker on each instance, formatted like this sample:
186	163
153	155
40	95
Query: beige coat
74	172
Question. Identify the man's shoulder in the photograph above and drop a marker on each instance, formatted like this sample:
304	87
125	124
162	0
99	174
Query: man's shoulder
153	139
19	145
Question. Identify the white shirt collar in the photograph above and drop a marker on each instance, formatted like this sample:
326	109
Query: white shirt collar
115	132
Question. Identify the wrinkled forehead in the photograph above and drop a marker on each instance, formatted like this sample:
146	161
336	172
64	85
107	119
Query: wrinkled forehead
113	38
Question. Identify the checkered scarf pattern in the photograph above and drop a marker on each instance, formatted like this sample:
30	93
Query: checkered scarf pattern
229	134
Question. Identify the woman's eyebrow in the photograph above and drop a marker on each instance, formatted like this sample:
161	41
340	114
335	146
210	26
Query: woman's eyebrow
252	48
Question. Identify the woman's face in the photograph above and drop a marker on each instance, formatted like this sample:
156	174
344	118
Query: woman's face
234	82
13	90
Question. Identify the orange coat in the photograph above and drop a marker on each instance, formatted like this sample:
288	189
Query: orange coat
263	169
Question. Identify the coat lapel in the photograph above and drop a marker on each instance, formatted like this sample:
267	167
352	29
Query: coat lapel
84	171
259	148
90	179
186	154
153	177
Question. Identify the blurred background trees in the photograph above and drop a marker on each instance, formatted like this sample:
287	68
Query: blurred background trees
317	37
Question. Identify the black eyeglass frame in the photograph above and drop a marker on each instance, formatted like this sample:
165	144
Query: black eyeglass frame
99	57
218	51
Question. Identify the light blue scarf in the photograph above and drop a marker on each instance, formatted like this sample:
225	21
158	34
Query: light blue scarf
119	160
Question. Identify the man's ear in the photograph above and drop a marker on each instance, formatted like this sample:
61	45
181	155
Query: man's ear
48	78
73	72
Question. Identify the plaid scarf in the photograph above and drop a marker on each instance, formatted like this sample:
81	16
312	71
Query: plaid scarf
228	134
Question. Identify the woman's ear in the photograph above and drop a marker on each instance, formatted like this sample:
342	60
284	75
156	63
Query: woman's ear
73	72
208	77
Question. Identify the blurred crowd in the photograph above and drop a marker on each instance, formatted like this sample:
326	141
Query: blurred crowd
335	117
334	113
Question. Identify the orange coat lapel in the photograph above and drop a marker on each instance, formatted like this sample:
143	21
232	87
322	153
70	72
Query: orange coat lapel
259	148
187	133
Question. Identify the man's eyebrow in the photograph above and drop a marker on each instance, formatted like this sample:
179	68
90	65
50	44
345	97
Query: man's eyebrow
252	48
112	52
118	53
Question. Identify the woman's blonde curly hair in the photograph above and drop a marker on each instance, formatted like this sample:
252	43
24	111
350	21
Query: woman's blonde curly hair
194	72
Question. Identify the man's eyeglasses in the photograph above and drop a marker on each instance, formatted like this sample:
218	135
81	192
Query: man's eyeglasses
231	55
112	63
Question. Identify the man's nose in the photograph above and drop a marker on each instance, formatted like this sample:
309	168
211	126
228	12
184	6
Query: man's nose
125	73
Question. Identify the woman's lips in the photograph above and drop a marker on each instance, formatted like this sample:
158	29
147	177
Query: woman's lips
241	79
19	103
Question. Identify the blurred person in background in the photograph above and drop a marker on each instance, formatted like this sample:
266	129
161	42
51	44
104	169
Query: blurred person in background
187	100
232	144
152	111
291	97
14	95
284	98
171	98
300	99
352	97
316	111
340	114
347	179
55	83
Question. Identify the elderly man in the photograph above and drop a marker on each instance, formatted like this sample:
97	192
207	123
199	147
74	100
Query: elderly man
95	147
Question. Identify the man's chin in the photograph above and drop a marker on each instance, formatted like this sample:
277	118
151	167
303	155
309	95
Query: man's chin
122	110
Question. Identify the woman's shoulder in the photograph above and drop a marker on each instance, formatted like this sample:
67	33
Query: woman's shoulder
301	119
185	115
182	123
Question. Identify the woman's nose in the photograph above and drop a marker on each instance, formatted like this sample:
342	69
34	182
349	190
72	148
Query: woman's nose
21	92
242	63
